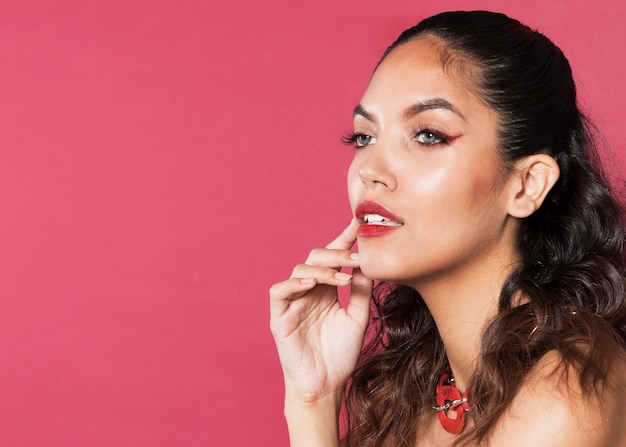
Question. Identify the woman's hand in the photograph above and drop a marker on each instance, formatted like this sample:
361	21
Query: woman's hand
318	341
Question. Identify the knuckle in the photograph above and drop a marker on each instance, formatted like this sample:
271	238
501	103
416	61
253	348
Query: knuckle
315	253
274	289
298	268
281	289
278	291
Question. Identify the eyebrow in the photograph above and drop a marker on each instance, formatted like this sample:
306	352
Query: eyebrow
415	109
430	104
359	110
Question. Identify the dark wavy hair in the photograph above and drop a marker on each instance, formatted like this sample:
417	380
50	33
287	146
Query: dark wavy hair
572	249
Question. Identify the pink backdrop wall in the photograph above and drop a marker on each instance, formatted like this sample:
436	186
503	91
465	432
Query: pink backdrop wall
161	164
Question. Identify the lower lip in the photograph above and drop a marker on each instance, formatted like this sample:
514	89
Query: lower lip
375	230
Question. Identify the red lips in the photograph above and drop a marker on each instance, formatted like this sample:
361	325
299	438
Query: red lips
375	220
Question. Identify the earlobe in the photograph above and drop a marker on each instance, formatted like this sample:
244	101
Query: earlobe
531	182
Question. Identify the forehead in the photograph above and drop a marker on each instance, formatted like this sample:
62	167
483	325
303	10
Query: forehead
414	71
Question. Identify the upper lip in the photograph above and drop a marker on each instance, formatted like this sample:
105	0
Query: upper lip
370	207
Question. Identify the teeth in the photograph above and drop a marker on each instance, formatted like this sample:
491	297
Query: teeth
378	220
373	218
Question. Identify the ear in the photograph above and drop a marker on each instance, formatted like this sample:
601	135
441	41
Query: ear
530	183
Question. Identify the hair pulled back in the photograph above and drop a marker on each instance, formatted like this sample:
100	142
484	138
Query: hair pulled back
572	272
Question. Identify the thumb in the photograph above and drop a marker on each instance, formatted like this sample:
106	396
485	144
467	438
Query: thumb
358	307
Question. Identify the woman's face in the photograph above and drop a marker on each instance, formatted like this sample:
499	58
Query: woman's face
426	182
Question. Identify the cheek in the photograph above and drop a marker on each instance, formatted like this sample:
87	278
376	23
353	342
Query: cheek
433	181
429	188
485	186
354	183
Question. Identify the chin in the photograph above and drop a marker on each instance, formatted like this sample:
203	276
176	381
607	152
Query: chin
378	270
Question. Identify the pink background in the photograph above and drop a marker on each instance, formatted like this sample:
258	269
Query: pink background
161	164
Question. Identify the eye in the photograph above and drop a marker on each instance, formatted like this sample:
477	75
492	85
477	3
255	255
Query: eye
361	140
429	138
358	140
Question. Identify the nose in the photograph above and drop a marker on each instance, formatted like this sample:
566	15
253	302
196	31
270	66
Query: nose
376	168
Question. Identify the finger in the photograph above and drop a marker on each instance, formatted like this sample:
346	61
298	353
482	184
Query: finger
346	239
282	293
359	304
322	275
335	258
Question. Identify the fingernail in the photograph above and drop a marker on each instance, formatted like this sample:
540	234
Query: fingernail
307	280
354	256
343	277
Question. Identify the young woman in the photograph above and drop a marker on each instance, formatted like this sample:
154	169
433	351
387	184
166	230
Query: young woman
499	313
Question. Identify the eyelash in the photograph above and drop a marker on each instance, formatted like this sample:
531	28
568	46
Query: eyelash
350	138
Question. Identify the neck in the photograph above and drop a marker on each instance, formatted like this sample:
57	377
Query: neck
462	305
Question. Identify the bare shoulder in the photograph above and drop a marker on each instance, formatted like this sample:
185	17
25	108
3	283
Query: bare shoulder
551	409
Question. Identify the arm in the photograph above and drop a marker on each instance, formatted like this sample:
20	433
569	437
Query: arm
313	424
318	341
